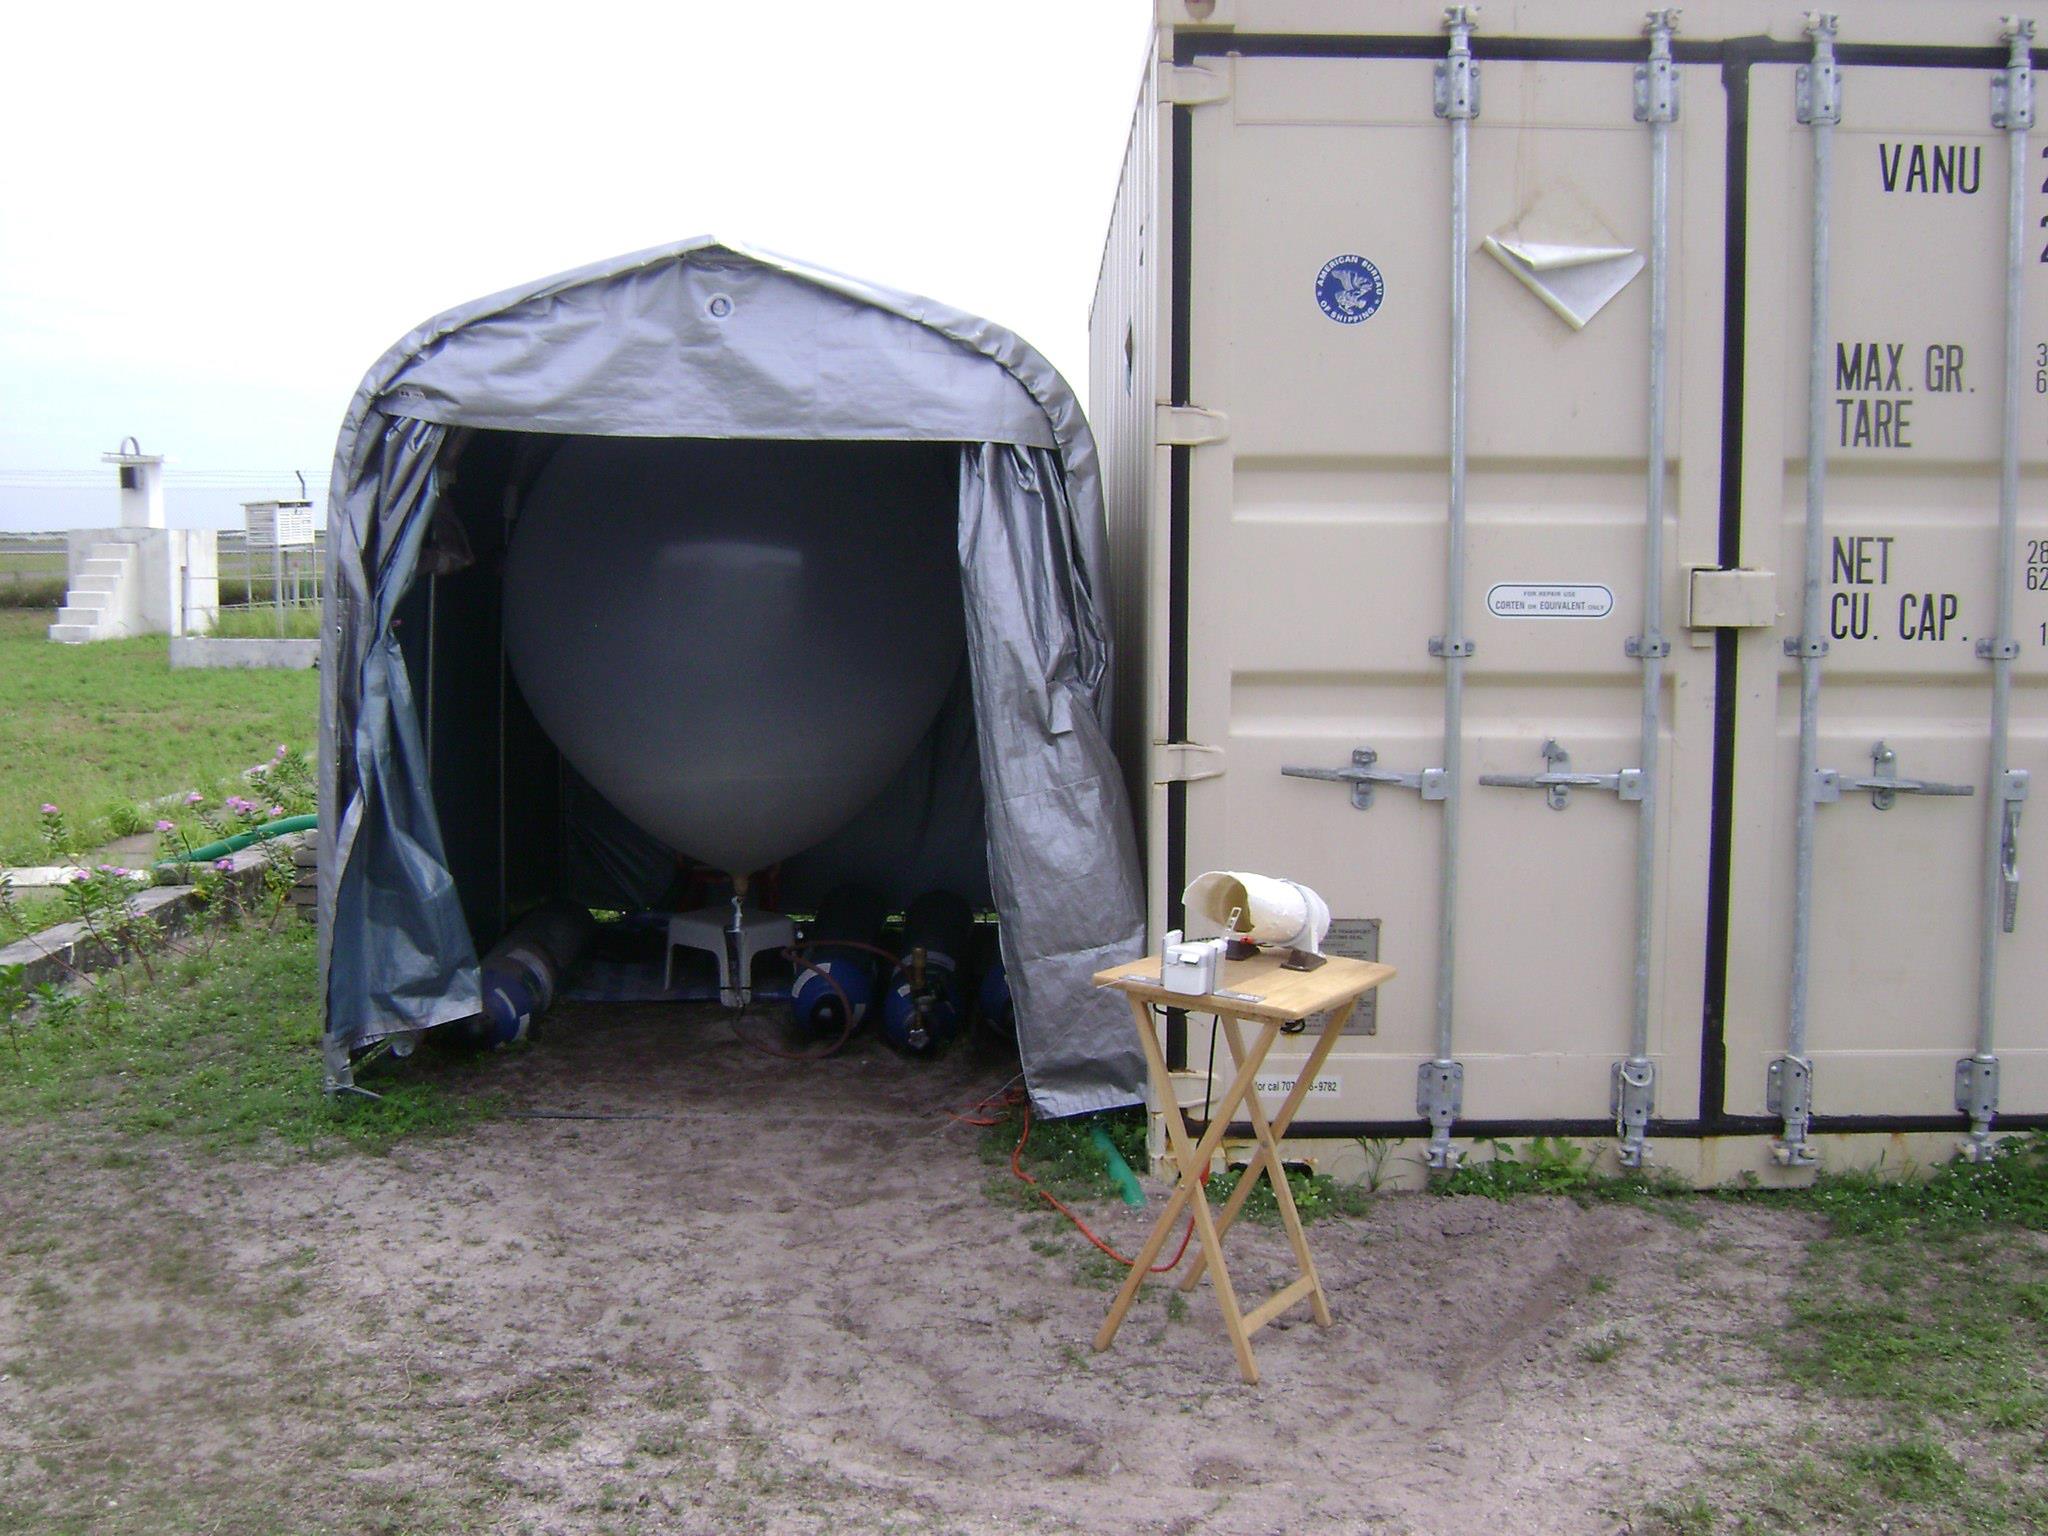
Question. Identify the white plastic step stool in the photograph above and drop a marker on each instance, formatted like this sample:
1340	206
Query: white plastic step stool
709	928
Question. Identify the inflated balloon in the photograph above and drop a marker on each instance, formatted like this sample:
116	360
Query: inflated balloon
737	643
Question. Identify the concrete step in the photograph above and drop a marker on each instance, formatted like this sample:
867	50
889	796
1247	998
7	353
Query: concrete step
76	613
72	634
105	586
96	566
120	554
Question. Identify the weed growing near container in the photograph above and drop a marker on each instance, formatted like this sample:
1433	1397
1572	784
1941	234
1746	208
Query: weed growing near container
1316	1195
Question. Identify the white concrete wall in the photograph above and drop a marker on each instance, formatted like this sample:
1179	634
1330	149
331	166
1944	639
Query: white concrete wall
174	586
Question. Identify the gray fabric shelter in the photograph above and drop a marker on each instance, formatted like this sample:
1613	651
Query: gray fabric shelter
706	339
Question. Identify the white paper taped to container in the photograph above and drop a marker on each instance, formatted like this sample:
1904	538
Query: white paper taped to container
1565	256
1260	908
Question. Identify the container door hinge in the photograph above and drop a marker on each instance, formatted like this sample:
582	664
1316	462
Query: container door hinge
1365	772
1632	1097
1977	1097
1788	1094
1189	426
1440	1099
1185	762
2012	88
1820	82
1558	781
1457	76
1657	79
1188	85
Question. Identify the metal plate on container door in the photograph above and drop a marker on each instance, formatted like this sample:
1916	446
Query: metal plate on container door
1355	938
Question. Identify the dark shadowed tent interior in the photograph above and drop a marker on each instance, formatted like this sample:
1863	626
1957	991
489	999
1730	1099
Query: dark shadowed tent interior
881	652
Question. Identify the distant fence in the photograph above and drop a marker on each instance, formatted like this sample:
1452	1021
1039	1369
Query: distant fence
261	576
32	572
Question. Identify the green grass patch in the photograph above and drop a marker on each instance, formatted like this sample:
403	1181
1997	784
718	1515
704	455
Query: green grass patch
223	1049
1920	1323
291	623
1316	1195
1551	1165
101	729
1061	1154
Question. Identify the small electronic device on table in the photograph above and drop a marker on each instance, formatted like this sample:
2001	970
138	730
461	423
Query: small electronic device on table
1268	993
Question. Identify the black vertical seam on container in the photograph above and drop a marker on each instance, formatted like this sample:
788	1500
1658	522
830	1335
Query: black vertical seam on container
1721	809
1179	371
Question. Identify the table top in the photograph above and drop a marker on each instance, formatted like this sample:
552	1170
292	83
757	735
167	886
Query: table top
1258	988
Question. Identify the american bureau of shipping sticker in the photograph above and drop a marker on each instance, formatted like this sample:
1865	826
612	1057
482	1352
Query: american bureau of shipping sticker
1349	289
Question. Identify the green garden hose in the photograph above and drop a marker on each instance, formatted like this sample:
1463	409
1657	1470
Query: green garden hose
1120	1174
240	840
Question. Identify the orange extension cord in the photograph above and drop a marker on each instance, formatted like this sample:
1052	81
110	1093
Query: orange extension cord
1015	1098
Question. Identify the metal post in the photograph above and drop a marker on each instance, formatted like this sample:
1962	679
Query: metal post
1633	1091
1440	1083
1790	1085
2012	109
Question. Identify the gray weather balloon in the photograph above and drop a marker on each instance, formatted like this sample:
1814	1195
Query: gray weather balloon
737	643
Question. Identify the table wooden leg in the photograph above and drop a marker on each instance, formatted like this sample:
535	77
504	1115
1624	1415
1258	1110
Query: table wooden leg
1283	1195
1289	1106
1188	1187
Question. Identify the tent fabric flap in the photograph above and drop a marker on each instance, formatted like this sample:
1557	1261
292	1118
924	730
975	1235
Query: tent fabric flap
704	338
1063	859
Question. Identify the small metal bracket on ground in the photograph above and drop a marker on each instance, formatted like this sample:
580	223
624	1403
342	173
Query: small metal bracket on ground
1632	1097
1440	1099
1788	1094
1977	1097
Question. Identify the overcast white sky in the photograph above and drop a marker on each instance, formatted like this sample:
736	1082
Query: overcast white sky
214	218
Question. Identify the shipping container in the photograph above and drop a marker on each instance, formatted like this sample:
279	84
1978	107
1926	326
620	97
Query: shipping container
1691	835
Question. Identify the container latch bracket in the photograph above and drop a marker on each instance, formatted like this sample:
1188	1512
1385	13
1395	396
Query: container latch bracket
1440	1099
1557	781
1365	773
1977	1097
1883	782
1788	1094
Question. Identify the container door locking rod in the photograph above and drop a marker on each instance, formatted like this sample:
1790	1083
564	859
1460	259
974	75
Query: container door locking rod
1440	1082
2012	109
1788	1089
1632	1084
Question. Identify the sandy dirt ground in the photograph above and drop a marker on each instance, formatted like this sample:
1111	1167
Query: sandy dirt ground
781	1298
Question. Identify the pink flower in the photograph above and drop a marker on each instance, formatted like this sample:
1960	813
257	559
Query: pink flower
283	750
195	798
49	809
79	874
276	811
225	866
167	826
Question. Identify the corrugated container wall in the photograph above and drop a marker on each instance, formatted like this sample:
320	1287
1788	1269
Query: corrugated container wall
1690	833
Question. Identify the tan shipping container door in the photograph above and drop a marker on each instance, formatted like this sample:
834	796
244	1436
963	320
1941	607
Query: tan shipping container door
1280	530
1317	549
1914	359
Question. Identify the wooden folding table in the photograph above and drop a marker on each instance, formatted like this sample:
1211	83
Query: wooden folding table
1262	991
